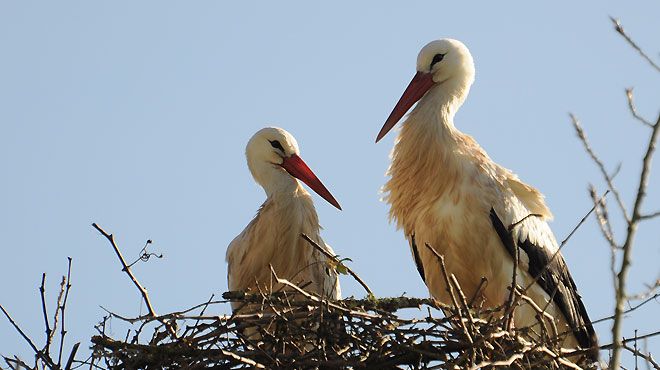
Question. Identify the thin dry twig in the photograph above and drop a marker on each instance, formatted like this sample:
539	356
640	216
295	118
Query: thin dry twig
335	260
62	313
647	300
633	109
649	216
127	270
38	353
599	163
619	28
646	356
42	293
562	244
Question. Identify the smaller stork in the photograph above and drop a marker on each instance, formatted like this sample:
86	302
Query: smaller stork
272	238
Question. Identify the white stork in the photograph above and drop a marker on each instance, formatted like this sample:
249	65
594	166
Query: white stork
273	236
444	190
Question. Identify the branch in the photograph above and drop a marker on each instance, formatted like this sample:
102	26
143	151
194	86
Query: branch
624	341
335	260
649	299
603	217
610	184
606	229
647	357
39	353
62	312
562	244
628	244
127	270
72	356
42	293
633	110
450	291
619	28
649	216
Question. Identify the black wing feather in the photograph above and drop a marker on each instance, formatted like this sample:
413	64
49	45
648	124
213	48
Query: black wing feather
554	278
418	261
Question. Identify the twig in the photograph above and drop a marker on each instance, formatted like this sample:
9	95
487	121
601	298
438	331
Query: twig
649	216
633	110
450	291
619	28
513	225
628	310
650	289
39	353
58	305
610	183
628	340
42	293
144	255
335	260
647	357
72	356
127	270
606	229
62	312
603	218
561	246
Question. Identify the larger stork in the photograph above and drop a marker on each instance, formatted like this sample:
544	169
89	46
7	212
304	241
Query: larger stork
446	192
273	238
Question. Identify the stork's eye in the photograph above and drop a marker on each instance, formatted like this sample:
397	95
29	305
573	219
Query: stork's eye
436	59
276	144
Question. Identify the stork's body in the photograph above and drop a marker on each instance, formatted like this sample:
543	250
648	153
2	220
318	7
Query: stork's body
273	237
446	192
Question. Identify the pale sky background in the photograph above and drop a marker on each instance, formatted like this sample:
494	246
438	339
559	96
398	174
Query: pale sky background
135	115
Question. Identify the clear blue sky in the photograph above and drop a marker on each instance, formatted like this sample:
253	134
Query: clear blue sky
136	115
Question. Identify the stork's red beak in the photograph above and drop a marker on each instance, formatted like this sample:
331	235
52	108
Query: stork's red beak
419	85
297	168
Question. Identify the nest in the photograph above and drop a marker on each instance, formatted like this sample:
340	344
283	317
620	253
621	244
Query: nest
297	330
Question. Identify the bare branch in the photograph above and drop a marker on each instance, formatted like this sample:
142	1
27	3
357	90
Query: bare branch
562	244
619	28
39	353
335	260
649	359
513	225
58	305
610	183
649	216
649	299
606	229
144	255
72	356
628	244
63	312
42	293
127	270
633	110
602	215
451	292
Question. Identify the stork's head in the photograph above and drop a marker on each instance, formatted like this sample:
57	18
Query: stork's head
444	62
274	161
